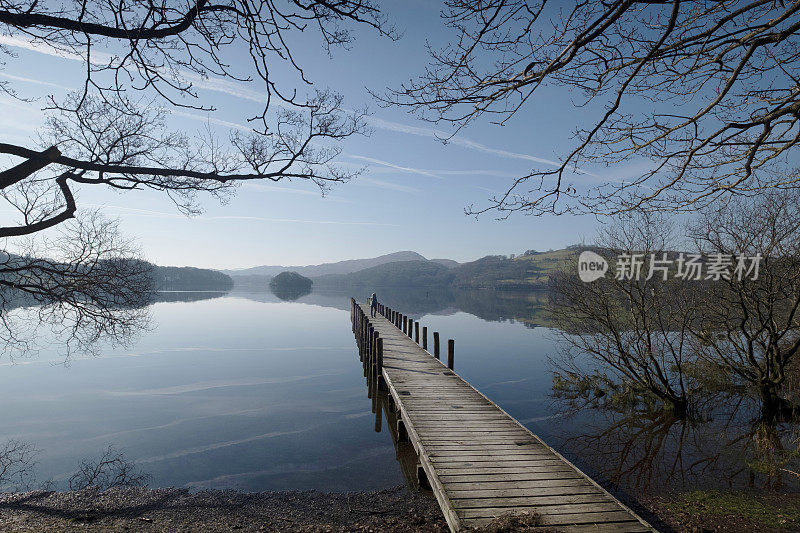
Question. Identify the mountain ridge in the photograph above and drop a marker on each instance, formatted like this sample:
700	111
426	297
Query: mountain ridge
347	266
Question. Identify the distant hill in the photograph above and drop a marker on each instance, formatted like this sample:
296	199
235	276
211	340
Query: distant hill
190	278
527	271
398	274
449	263
530	271
192	282
340	267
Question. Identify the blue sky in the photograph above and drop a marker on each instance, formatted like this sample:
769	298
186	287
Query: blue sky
411	197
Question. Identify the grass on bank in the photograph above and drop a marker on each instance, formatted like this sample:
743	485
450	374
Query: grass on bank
773	511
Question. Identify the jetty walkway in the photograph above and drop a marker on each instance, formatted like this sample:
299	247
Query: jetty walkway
479	461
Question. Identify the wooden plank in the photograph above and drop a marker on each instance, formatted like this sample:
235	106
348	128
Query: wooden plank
588	490
631	526
551	519
587	500
482	454
474	477
471	446
509	459
455	487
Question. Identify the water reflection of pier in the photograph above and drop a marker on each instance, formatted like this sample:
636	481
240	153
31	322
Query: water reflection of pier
407	457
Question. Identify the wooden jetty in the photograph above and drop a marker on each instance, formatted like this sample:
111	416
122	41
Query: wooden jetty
479	462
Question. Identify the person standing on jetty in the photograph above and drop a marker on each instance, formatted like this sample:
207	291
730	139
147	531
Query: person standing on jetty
373	308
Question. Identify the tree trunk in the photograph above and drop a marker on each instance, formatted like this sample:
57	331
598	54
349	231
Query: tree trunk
773	406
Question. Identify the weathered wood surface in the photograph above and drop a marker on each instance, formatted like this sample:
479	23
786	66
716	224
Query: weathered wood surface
479	461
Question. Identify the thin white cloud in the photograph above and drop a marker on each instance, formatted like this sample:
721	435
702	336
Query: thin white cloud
411	170
476	172
99	58
228	87
31	80
50	50
210	120
388	185
461	141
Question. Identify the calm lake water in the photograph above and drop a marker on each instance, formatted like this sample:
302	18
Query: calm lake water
248	392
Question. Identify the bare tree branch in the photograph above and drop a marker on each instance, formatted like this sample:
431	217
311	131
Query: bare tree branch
706	92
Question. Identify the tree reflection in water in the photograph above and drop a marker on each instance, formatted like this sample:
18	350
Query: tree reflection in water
642	451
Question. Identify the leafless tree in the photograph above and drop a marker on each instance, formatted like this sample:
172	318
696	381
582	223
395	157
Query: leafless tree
708	92
142	59
750	328
111	470
625	337
17	462
84	284
140	62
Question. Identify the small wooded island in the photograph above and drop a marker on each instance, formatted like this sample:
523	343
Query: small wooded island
290	285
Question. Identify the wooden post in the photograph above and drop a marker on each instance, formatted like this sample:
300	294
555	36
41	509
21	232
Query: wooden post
405	324
378	416
374	362
436	344
422	478
424	337
363	350
402	434
451	353
373	338
379	364
416	332
410	327
361	334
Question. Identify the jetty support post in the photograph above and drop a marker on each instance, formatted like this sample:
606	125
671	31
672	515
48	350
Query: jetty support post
379	364
424	337
436	344
373	357
410	327
402	434
451	353
370	333
416	332
422	478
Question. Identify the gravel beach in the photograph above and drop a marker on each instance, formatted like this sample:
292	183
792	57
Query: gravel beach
139	509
